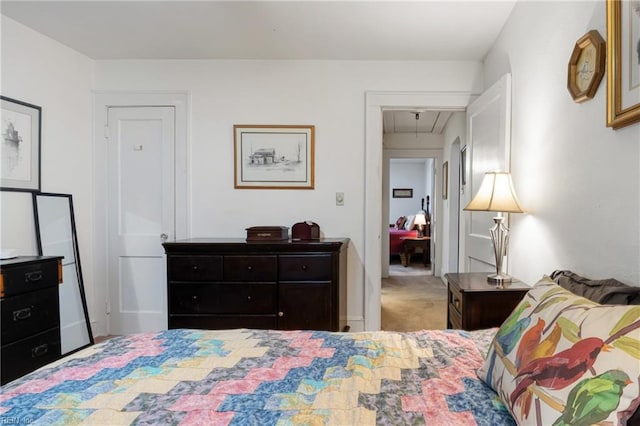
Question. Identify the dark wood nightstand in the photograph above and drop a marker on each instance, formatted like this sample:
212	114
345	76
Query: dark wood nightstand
411	243
476	304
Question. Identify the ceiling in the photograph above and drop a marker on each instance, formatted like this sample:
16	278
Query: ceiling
415	121
274	30
339	30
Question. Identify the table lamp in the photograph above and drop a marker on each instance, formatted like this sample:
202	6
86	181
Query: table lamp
496	194
420	220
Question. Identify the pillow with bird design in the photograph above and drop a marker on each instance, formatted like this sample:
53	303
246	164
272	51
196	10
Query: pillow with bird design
561	359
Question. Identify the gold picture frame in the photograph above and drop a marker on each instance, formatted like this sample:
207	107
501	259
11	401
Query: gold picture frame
623	63
273	156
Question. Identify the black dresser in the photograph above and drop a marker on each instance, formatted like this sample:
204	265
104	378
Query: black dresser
30	313
232	283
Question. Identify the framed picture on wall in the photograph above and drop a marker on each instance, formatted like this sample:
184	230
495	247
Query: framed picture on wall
402	192
21	126
623	63
273	156
445	180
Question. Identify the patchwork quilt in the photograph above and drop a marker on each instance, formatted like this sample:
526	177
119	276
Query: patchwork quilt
263	377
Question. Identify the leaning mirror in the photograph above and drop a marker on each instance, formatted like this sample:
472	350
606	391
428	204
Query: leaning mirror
56	236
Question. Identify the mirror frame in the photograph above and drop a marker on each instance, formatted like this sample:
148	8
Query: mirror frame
76	253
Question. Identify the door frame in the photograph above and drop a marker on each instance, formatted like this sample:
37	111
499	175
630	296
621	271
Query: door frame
421	154
102	101
373	226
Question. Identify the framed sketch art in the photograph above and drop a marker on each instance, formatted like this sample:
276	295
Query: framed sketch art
274	156
21	124
623	62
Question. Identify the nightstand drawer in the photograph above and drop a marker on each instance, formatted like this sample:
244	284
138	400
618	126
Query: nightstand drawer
455	319
195	268
305	268
250	268
455	300
29	313
222	298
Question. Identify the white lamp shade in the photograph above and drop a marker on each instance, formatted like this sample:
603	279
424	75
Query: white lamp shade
496	194
420	220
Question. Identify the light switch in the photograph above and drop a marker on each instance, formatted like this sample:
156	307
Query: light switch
339	198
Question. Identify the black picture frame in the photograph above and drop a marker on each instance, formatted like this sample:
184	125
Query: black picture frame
56	235
21	129
402	192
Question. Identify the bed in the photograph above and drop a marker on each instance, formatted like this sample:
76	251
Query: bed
558	359
263	377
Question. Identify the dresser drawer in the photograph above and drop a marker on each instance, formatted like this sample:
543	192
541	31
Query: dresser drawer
250	268
305	268
26	355
29	313
29	277
222	322
195	268
223	298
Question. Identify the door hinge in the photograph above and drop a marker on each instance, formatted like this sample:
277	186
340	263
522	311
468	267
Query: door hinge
106	131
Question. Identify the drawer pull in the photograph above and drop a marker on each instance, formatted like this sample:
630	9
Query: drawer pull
248	297
195	267
39	351
33	276
280	314
195	297
22	314
304	267
249	268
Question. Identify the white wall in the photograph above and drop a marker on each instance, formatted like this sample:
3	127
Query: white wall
455	131
327	94
407	174
578	179
40	71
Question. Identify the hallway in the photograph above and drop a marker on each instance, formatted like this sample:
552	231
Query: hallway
413	299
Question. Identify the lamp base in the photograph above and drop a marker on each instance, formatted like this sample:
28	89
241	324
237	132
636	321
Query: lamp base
499	279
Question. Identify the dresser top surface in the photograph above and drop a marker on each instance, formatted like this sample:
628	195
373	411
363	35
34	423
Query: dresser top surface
240	244
25	260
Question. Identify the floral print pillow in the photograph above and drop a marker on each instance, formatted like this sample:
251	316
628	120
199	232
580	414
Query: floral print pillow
561	359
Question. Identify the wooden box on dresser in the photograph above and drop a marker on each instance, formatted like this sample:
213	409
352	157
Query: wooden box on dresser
474	303
30	312
218	283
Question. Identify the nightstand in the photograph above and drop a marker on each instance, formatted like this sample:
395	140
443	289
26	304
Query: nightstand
411	243
474	304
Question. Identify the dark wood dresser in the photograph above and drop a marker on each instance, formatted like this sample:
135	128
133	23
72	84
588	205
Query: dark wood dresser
232	283
30	312
475	304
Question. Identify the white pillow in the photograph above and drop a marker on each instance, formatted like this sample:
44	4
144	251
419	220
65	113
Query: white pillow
409	224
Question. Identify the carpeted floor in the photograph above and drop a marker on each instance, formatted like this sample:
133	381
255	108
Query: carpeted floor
413	299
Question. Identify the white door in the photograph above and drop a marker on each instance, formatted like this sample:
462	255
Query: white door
488	145
141	204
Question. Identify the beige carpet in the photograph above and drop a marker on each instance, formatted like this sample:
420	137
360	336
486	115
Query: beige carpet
413	299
